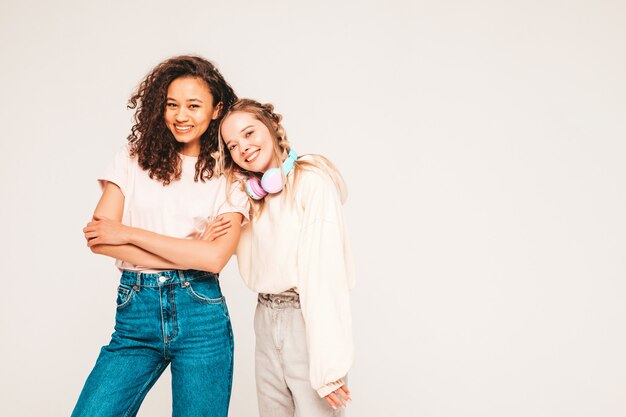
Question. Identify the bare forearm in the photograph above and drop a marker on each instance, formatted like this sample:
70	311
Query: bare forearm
135	255
191	254
198	254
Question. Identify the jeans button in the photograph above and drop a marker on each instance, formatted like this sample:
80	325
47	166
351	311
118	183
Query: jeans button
162	279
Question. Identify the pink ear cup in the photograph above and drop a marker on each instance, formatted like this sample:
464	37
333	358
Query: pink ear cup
255	189
272	180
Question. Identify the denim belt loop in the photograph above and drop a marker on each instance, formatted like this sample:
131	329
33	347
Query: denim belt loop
137	286
182	278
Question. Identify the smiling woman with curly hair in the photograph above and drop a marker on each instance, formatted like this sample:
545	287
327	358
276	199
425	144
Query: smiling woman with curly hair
152	141
159	193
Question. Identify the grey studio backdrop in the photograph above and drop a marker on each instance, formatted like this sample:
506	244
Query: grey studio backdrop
483	143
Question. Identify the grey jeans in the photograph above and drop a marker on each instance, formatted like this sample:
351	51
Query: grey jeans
282	360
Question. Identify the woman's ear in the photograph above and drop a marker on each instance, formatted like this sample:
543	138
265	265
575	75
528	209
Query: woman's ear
217	110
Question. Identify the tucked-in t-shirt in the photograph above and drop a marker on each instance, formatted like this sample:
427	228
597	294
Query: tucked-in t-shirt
299	242
180	209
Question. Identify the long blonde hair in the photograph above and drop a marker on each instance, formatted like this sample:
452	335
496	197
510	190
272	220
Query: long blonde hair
266	115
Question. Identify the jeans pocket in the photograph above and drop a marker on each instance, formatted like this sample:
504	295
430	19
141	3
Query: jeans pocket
207	292
125	295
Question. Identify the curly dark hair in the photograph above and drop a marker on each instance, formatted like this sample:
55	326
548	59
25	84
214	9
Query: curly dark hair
150	139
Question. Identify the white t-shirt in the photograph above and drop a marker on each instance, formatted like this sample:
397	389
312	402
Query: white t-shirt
181	209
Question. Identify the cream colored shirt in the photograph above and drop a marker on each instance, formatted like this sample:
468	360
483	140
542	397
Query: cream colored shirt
299	241
181	209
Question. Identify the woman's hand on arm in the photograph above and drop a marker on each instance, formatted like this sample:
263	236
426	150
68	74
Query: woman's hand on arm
104	231
216	228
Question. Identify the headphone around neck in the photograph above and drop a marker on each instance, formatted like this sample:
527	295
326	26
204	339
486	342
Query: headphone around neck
272	180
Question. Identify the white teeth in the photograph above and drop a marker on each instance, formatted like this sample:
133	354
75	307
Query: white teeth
253	156
183	128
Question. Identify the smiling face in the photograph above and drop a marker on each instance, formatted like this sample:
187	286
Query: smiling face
188	112
249	142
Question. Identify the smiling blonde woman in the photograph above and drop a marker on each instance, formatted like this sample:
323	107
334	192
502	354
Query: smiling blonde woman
295	253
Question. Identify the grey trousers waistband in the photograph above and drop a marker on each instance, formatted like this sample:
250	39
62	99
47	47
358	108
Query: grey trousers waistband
287	299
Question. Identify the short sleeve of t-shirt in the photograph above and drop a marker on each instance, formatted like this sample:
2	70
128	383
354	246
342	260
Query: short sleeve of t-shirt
118	170
237	202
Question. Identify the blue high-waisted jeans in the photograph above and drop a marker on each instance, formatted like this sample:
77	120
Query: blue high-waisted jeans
177	317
